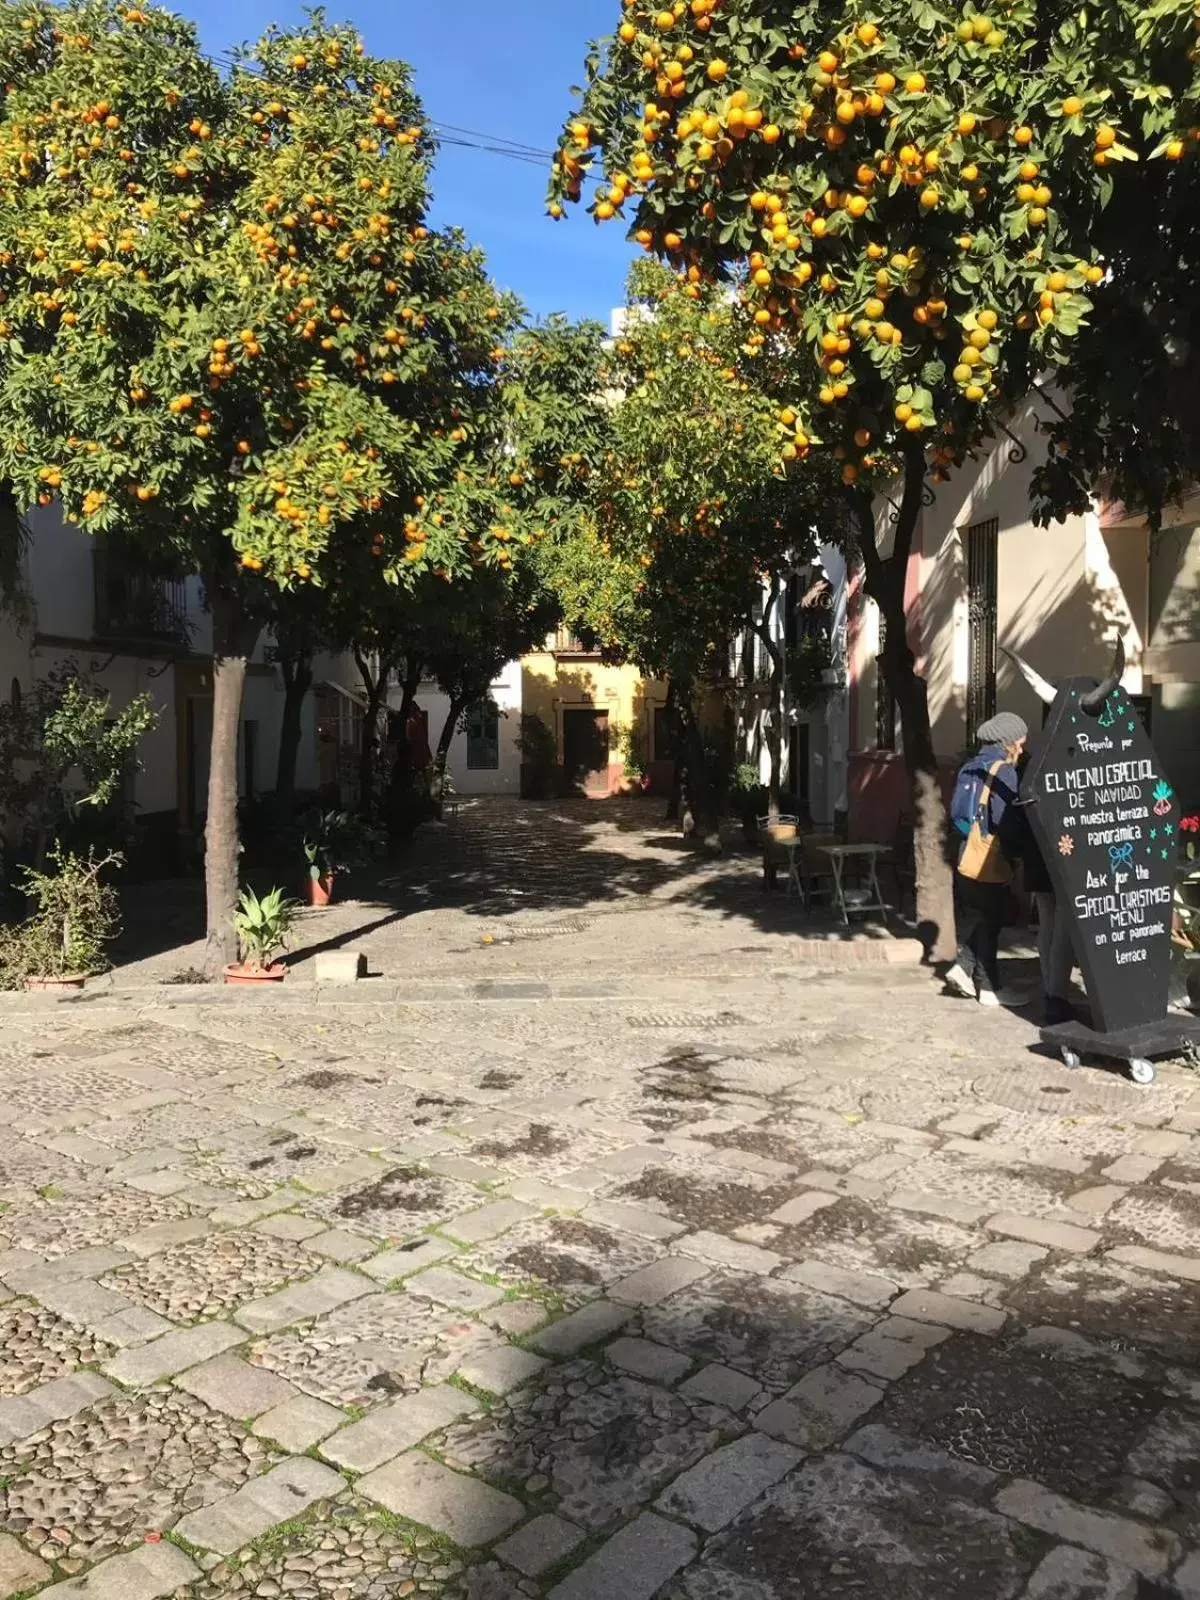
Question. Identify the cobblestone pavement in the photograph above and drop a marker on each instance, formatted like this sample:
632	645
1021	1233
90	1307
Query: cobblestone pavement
649	1249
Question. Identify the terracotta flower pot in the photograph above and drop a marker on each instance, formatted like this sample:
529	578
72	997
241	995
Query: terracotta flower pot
238	972
320	890
70	980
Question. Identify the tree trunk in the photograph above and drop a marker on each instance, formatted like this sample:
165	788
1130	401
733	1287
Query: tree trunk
399	778
297	681
441	754
408	694
234	638
675	795
698	812
376	687
885	583
775	714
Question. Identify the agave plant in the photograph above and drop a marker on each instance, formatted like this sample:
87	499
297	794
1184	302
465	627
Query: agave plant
262	925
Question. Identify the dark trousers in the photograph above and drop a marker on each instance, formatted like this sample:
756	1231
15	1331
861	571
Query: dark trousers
981	908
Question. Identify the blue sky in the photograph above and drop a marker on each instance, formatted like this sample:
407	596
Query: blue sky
498	69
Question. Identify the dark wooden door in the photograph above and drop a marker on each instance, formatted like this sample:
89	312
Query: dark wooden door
585	751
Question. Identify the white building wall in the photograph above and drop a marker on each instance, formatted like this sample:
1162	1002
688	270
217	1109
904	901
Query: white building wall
506	777
58	576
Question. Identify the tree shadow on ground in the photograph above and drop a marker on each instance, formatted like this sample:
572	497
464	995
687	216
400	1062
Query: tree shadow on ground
881	1454
496	857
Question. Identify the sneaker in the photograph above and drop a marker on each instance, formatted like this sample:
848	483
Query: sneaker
959	983
987	996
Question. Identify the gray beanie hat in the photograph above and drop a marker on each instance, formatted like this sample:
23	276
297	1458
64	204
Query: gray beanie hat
1006	727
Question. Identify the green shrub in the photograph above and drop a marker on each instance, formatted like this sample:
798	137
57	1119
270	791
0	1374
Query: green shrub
76	918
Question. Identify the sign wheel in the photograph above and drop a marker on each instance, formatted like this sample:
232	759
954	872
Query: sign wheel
1141	1071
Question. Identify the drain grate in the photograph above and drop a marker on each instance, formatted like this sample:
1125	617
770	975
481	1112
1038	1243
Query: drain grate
1054	1090
548	930
686	1019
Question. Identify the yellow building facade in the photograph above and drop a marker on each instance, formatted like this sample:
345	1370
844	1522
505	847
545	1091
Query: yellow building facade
604	718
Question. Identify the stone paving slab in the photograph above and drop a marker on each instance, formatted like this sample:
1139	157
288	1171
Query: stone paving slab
712	1493
229	1384
463	1508
23	1415
449	1288
20	1570
1150	1551
151	1573
584	1327
402	1263
174	1352
540	1544
635	1563
1069	1573
278	1496
396	1427
329	1289
299	1423
501	1370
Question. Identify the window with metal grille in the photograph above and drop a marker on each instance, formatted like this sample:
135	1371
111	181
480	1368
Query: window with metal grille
981	540
885	700
483	737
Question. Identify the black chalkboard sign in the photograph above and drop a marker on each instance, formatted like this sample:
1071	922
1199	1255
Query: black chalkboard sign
1107	822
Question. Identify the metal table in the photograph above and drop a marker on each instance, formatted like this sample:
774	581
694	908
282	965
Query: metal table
869	854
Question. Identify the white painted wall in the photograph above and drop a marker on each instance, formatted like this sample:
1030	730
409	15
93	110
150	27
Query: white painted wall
1058	596
123	678
504	779
59	576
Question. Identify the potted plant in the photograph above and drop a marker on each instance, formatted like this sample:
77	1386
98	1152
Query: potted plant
262	928
749	799
63	943
631	742
336	842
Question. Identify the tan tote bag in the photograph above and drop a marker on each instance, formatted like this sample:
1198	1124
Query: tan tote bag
982	859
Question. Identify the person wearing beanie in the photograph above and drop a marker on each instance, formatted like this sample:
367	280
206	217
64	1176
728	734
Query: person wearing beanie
984	790
1005	730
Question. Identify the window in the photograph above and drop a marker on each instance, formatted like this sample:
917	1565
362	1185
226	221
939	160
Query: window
799	759
249	758
133	604
981	540
567	643
885	700
666	734
792	597
483	737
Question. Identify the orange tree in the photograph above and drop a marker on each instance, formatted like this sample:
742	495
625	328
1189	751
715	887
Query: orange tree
921	209
522	473
229	332
692	519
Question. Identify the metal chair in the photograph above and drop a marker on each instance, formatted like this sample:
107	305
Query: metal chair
772	833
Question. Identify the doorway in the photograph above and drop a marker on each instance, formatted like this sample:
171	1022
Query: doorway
585	752
982	542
